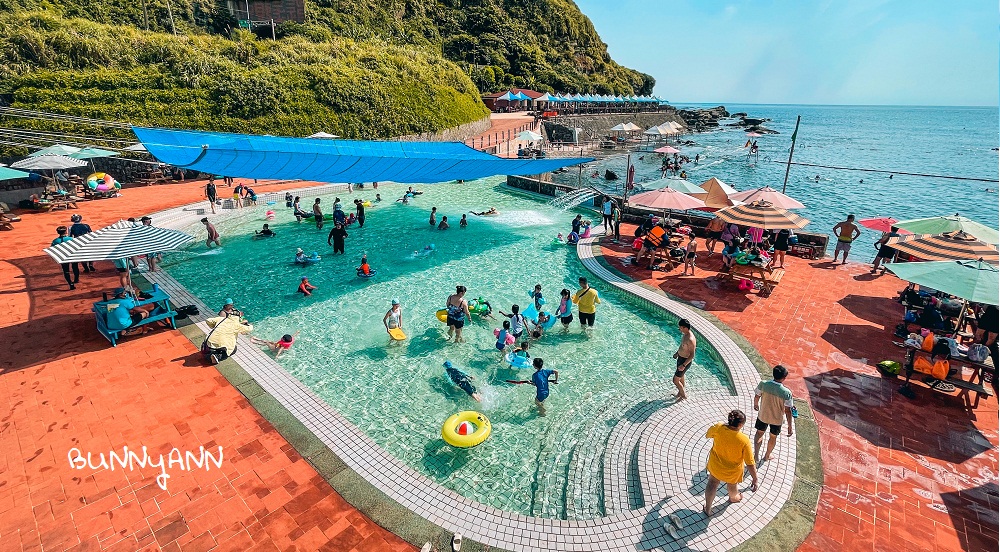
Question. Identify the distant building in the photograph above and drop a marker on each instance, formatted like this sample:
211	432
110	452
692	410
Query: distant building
494	104
266	10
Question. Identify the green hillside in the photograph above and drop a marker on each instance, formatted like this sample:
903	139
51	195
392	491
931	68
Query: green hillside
361	68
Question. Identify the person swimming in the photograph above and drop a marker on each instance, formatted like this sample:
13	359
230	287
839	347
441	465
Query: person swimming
559	237
277	347
265	232
300	256
491	211
305	288
378	198
364	269
464	222
462	380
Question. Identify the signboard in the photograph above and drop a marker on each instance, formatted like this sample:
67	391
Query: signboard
247	24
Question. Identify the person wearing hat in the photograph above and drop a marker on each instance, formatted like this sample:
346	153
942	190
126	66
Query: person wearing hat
394	317
124	313
78	229
229	309
220	343
305	288
300	256
73	279
462	380
151	258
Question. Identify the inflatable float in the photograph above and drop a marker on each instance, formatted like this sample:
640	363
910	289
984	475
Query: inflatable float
466	429
102	182
371	273
312	259
397	334
518	361
510	337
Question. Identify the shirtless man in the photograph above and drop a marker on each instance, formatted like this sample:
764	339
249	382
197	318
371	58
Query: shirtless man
458	313
684	356
846	232
213	234
318	214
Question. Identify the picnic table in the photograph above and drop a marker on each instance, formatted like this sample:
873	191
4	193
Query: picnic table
767	276
975	383
157	297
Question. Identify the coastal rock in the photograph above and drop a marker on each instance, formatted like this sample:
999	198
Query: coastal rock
703	119
738	115
761	130
752	122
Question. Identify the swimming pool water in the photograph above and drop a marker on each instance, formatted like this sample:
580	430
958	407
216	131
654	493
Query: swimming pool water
398	393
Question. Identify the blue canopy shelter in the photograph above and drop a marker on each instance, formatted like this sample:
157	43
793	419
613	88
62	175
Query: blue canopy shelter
284	158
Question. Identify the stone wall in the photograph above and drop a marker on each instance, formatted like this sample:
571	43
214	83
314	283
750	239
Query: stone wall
460	133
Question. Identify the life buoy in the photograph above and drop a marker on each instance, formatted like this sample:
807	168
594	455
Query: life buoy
450	434
371	273
518	361
510	337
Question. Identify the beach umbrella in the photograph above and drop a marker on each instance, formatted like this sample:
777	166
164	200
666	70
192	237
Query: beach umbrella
656	131
528	135
666	199
753	135
769	195
56	149
713	183
881	224
939	225
121	240
761	214
49	161
11	174
949	246
667	149
92	153
323	135
715	194
676	184
632	127
974	281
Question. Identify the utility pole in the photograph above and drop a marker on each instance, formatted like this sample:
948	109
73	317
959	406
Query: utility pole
145	15
170	13
788	166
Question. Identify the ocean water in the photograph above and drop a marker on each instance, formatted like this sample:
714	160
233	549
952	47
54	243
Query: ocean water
953	141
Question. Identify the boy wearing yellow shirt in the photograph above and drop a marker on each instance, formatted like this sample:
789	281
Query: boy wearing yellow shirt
586	299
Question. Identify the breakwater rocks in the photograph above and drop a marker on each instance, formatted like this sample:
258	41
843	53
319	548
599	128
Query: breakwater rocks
569	128
699	120
751	124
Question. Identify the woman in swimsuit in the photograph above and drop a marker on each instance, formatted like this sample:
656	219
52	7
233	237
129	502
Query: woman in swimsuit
690	255
394	318
458	313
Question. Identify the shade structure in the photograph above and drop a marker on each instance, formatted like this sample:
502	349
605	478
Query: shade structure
521	96
323	135
620	127
674	183
761	214
667	149
949	246
92	153
136	147
715	183
753	135
284	158
769	195
507	96
881	224
120	240
48	162
667	199
656	131
940	225
528	135
975	281
11	174
56	149
546	97
632	127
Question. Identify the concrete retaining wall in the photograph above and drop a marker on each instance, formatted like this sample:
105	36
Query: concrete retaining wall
460	133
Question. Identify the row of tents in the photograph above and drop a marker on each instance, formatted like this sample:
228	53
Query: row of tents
581	98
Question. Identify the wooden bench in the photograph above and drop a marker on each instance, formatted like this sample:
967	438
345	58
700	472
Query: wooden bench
163	312
767	277
966	387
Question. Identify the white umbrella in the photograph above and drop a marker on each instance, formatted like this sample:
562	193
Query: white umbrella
56	149
325	135
528	135
632	127
121	240
53	162
769	195
619	128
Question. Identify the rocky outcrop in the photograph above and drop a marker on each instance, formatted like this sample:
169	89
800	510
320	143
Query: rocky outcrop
703	119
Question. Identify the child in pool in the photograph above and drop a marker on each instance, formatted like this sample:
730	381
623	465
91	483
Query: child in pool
462	380
300	256
364	268
502	335
279	346
464	222
536	296
305	288
559	237
543	319
565	311
378	198
265	232
572	238
522	351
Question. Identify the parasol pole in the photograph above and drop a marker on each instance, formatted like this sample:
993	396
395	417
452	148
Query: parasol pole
788	166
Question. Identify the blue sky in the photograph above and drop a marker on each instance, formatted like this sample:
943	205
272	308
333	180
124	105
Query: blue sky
895	52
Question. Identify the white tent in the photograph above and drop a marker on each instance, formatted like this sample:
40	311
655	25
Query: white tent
52	162
323	135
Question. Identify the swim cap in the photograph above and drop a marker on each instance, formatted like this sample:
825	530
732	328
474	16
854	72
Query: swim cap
447	364
229	301
395	301
304	278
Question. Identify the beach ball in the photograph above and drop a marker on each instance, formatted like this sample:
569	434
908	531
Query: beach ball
465	428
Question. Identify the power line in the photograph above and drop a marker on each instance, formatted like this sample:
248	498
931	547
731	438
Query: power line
59	135
892	172
31	114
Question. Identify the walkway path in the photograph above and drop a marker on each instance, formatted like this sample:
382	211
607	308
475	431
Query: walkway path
63	386
899	474
503	125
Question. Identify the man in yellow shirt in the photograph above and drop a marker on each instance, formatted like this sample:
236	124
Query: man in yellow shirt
587	300
221	341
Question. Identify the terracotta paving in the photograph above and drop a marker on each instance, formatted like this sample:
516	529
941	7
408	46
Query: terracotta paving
500	125
899	474
66	388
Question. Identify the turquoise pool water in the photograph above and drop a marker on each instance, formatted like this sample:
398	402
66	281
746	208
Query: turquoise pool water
397	392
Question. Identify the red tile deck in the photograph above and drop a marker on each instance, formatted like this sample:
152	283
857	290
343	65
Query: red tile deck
65	387
898	474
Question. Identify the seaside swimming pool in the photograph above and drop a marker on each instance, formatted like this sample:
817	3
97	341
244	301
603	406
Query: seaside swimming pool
397	393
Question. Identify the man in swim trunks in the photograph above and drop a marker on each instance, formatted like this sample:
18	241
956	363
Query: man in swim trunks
213	234
540	379
714	234
458	313
318	214
846	232
684	356
462	380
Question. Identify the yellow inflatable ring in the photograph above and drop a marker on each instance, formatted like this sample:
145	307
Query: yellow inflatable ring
442	315
449	431
96	176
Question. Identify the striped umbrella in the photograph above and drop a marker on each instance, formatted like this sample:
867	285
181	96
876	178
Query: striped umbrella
950	246
120	240
938	225
761	214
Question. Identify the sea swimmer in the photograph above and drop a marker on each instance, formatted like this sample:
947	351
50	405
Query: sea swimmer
491	211
305	288
265	232
279	346
464	222
559	237
378	198
462	380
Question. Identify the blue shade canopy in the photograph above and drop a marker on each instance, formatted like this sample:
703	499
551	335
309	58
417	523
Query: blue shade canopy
284	158
521	96
507	96
11	174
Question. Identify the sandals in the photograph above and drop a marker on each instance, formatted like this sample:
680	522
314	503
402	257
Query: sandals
456	542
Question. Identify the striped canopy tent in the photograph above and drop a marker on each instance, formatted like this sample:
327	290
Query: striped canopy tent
48	162
949	246
761	214
938	225
769	195
121	240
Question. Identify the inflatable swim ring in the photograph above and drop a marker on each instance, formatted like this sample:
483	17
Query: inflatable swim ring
366	203
531	294
479	306
510	337
269	215
530	313
518	361
312	259
442	315
369	275
551	322
449	430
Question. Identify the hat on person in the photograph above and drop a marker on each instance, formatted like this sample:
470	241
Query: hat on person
76	218
229	301
447	364
395	301
304	278
145	219
299	250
